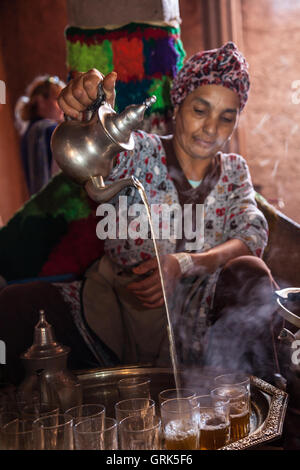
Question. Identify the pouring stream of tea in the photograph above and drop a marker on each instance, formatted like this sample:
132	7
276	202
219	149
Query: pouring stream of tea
143	195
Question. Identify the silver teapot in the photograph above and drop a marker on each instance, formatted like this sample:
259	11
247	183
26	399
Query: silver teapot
290	298
85	151
47	377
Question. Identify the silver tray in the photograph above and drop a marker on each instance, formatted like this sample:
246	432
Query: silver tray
268	403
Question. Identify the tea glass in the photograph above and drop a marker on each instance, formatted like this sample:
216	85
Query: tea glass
134	434
214	422
180	424
142	407
80	412
36	410
239	409
171	393
7	417
237	379
53	432
91	434
134	387
17	435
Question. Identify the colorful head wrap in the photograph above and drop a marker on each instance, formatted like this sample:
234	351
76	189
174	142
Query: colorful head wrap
225	66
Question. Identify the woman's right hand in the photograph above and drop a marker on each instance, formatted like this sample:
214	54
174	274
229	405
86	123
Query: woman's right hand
82	91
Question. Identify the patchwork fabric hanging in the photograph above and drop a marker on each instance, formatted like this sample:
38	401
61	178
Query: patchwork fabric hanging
145	57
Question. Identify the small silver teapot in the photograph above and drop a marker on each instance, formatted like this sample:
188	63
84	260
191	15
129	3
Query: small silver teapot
290	298
47	377
85	151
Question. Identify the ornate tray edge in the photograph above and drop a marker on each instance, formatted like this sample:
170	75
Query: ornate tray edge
273	424
270	429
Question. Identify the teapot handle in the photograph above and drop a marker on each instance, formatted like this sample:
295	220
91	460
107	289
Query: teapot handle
101	98
92	108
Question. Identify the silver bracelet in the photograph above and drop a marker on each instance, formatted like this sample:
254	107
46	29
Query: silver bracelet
185	262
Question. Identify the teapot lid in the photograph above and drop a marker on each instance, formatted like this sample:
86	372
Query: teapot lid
44	342
291	295
119	127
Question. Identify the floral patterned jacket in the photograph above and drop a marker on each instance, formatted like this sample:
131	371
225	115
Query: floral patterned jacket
230	211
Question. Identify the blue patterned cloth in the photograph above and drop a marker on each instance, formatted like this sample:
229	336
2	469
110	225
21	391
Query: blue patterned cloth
36	153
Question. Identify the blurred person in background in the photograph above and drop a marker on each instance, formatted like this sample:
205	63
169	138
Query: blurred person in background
37	114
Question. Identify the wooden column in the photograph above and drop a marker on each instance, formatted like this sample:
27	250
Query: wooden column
13	191
223	23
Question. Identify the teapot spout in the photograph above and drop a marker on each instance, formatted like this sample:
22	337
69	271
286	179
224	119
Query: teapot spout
98	192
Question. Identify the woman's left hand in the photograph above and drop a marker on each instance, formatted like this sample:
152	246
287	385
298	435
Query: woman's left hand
149	290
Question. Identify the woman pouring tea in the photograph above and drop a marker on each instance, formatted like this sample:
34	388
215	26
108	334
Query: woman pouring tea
208	95
219	289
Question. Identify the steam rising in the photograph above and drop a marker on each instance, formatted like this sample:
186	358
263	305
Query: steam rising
241	339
